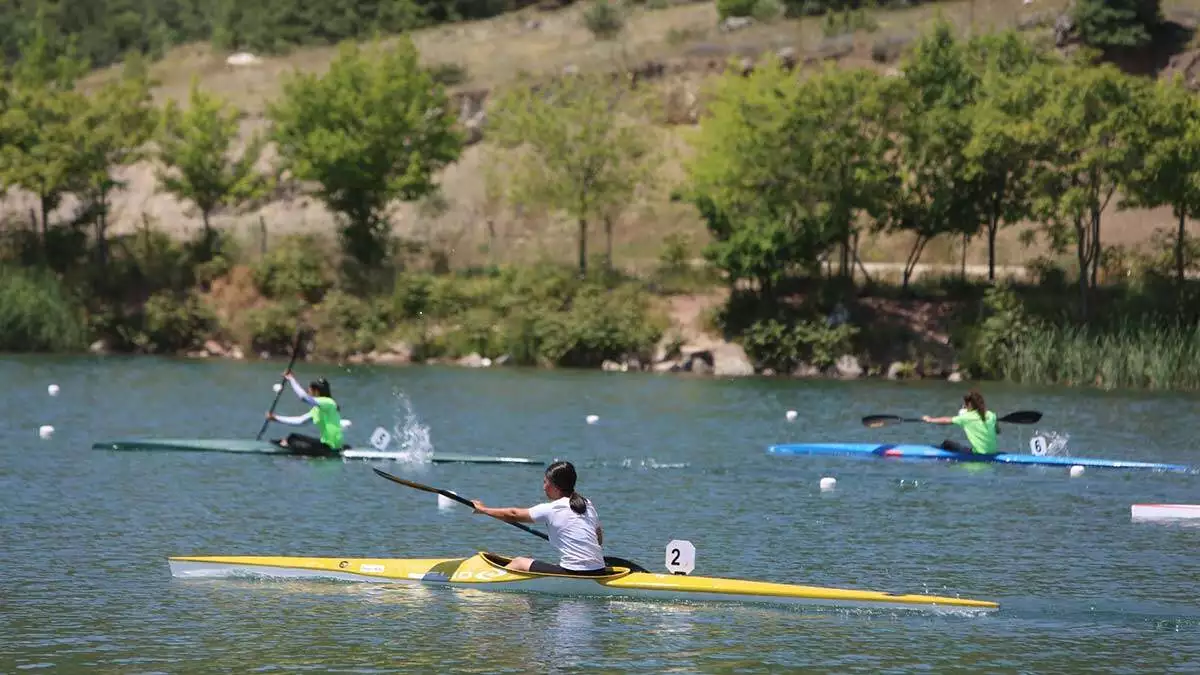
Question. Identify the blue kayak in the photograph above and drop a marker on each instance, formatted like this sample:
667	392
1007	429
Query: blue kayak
934	452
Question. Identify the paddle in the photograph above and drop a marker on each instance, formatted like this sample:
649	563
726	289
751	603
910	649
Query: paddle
608	560
1018	417
282	382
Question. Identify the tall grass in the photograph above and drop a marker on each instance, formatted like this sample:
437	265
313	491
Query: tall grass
1136	356
37	314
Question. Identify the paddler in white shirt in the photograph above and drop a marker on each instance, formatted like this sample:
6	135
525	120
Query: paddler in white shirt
571	521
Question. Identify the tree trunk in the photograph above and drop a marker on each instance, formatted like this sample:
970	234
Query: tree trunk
583	246
45	204
608	239
1081	249
993	228
102	227
966	241
1179	240
102	240
914	256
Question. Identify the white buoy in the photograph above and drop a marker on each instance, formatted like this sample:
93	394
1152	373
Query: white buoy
278	387
53	389
46	431
346	423
592	419
1076	471
828	483
486	362
791	415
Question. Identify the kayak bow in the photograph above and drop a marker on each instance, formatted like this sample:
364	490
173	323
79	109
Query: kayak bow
486	571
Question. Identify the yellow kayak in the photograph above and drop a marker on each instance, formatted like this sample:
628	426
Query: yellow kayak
485	571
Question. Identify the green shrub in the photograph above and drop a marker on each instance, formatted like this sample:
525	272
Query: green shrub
173	322
271	328
1005	326
774	344
542	314
150	260
604	19
346	324
766	11
296	267
1110	24
37	314
448	74
847	21
601	324
411	298
730	8
475	331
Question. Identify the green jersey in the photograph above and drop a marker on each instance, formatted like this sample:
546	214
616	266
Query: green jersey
981	433
327	418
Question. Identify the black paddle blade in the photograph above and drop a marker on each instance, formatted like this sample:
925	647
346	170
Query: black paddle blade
876	421
1022	417
421	486
450	495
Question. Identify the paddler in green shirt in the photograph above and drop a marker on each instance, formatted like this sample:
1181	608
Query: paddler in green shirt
977	422
324	414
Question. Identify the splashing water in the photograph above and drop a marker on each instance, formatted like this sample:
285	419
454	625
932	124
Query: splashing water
409	433
1056	443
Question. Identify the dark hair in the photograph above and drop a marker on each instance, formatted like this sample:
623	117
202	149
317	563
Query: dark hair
561	475
974	401
321	386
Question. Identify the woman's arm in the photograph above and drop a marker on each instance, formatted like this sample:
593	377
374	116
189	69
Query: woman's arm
509	514
937	420
304	395
296	421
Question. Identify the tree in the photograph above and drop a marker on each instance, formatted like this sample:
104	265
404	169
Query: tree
119	120
195	147
932	190
569	148
999	155
843	120
1109	24
1166	171
375	128
42	130
749	178
1083	132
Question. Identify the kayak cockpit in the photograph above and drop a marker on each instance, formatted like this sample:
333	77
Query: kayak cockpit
500	562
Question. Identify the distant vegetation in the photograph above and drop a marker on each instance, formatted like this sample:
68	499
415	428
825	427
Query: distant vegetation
789	173
103	32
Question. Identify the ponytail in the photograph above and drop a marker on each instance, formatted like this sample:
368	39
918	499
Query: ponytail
974	401
562	475
578	503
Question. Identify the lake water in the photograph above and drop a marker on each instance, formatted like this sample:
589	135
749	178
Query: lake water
84	534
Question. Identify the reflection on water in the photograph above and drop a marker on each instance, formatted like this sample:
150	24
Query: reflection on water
84	535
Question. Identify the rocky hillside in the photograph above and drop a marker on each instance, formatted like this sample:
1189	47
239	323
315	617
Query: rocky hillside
675	50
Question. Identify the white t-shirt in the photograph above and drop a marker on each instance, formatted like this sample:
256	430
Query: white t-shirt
573	534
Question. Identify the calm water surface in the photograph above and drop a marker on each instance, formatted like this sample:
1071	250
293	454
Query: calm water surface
84	534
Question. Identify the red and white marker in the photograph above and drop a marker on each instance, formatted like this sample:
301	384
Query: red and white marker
1161	511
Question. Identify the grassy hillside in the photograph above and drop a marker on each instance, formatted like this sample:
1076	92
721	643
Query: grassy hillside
683	43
